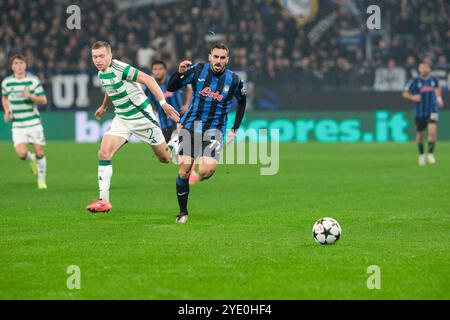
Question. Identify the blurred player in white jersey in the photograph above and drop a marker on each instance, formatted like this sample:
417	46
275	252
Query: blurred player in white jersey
21	93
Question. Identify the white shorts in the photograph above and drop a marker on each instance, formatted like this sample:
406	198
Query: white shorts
143	129
34	135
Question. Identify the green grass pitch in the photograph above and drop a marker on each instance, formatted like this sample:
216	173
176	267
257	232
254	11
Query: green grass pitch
248	237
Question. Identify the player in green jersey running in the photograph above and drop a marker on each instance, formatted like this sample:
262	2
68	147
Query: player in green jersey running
133	115
21	93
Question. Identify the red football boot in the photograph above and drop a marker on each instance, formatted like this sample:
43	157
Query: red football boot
99	206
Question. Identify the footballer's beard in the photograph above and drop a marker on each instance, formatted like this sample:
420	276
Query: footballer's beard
217	68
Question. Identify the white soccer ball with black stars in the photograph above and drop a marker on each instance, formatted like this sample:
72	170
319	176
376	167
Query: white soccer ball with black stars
326	231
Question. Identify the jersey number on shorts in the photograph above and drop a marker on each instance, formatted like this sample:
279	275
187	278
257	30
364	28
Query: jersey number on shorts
151	136
215	142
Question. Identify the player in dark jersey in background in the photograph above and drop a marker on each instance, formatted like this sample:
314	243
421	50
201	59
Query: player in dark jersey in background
425	92
204	123
168	126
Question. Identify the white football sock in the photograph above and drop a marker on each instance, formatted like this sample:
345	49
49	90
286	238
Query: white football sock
42	168
105	172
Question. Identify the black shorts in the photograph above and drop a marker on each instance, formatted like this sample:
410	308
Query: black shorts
195	145
422	122
167	132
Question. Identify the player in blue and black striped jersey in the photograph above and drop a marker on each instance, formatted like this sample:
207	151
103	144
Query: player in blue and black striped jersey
175	99
205	121
426	94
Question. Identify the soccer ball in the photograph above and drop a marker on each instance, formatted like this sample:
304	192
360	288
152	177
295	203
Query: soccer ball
326	231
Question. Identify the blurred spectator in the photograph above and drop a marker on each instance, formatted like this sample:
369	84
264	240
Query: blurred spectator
366	76
411	67
392	78
441	71
265	40
305	75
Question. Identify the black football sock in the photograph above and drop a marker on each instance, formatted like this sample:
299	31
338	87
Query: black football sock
420	145
182	194
431	146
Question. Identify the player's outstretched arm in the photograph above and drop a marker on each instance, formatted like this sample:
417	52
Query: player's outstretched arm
100	112
238	119
5	103
411	91
412	97
182	77
241	96
154	88
438	92
184	66
174	83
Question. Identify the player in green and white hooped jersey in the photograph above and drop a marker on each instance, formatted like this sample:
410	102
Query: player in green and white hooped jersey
133	115
21	93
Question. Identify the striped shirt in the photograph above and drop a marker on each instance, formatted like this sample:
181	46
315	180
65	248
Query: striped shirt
127	96
211	97
424	87
25	111
173	98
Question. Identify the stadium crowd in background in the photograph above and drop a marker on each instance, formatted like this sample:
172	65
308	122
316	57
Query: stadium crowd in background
266	40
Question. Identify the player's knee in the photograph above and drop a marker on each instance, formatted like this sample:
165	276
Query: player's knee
39	154
165	158
21	154
420	137
184	174
206	173
104	154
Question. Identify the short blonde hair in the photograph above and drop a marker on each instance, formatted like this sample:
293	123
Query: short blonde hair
101	44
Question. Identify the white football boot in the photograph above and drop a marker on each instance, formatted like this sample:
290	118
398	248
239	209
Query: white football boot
181	218
431	159
422	161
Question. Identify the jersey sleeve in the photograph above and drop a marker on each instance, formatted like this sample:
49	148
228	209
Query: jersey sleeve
411	86
36	87
5	91
124	70
240	92
188	76
435	82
